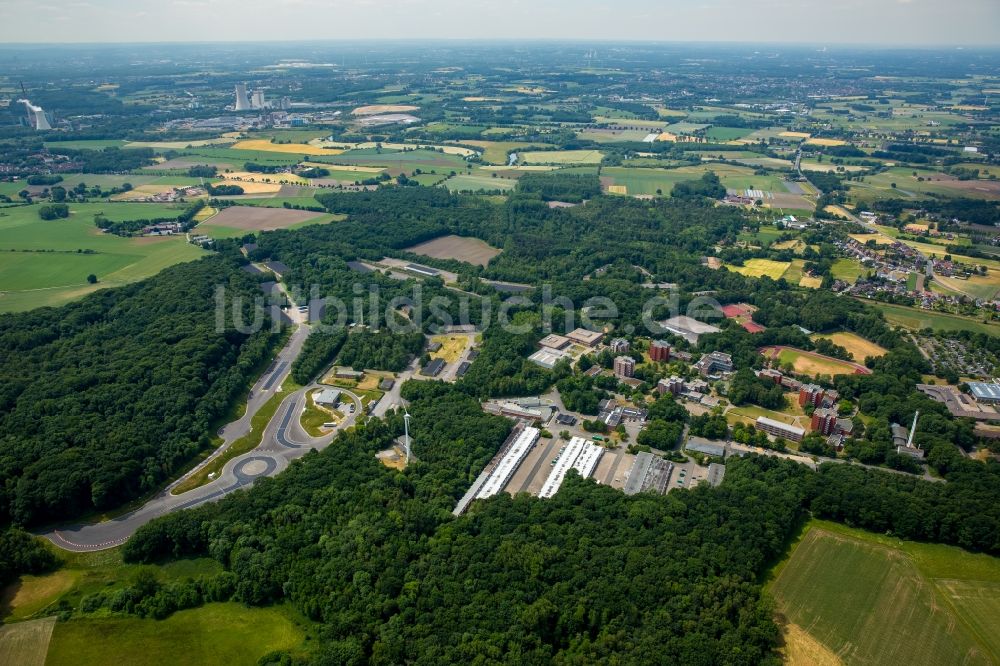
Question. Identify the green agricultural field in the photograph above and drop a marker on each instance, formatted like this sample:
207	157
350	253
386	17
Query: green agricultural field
85	144
464	182
423	159
495	152
561	157
237	158
722	134
914	319
47	262
218	633
872	599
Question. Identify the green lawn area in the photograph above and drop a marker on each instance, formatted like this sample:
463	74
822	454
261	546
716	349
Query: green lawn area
41	264
764	236
873	599
847	270
86	573
914	319
218	633
479	183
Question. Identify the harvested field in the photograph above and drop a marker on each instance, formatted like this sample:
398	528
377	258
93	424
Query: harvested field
811	282
795	135
826	142
26	643
375	109
293	148
254	218
562	157
461	248
801	649
761	267
856	346
617	189
813	364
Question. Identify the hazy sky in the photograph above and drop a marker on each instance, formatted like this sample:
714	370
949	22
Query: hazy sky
888	22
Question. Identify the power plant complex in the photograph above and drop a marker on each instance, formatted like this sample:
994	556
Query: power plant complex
36	116
254	101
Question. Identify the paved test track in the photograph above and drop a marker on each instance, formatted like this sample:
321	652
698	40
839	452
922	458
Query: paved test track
283	440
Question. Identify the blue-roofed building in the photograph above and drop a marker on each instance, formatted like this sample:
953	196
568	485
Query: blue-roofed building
985	391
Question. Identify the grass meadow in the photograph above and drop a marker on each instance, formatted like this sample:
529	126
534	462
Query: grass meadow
873	599
46	262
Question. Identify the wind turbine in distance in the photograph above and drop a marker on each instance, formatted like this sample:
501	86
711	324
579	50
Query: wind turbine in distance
406	430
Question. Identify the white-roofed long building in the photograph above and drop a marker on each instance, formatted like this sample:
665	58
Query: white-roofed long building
580	455
509	463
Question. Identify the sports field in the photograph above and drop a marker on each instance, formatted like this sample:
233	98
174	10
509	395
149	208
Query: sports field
761	267
461	248
561	157
856	346
914	319
218	633
872	599
813	364
46	262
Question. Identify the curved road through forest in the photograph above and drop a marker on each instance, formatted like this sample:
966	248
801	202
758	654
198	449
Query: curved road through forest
284	440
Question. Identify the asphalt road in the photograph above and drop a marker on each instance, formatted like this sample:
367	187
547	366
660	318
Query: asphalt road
283	441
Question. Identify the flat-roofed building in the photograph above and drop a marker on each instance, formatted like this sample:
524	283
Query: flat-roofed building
585	337
714	363
648	472
554	341
824	421
328	396
688	328
779	429
706	446
547	358
988	392
624	366
509	463
619	346
716	473
659	351
810	394
433	367
673	385
578	454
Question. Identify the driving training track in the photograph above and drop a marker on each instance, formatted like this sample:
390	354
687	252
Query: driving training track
283	441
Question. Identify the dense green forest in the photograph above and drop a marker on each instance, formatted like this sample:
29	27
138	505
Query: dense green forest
590	575
103	399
